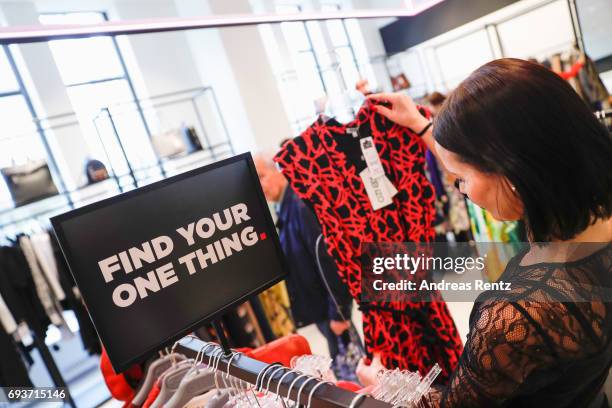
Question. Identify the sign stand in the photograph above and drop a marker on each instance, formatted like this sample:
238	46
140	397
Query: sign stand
216	324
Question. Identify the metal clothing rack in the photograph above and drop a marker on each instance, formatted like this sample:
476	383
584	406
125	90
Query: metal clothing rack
251	370
54	372
605	117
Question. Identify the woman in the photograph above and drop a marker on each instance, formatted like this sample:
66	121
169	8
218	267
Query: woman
523	145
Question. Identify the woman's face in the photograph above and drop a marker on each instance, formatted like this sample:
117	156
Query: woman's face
489	191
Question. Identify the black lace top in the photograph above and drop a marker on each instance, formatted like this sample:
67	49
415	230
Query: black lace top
545	344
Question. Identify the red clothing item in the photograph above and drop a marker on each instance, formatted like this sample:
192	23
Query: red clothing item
322	166
573	71
122	386
153	394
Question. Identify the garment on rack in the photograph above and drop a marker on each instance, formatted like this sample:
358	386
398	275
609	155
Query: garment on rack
458	217
74	302
41	245
323	166
6	318
539	344
242	328
13	372
275	303
593	88
19	291
43	289
298	231
153	394
203	400
441	206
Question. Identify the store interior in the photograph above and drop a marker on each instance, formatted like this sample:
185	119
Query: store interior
100	115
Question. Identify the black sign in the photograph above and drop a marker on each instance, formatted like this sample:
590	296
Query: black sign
154	263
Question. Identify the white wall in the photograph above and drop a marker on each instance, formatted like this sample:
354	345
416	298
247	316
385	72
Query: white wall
450	57
255	77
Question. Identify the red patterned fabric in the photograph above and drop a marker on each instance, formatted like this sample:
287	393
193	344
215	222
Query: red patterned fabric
120	385
153	394
322	166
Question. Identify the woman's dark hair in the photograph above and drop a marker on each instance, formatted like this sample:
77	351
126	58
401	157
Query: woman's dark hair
518	119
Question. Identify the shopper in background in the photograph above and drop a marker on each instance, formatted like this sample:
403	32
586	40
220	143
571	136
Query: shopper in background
435	101
299	233
523	145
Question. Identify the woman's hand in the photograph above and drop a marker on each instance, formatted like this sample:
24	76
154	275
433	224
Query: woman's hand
339	327
402	110
367	373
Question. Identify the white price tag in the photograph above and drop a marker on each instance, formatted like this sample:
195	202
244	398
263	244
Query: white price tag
380	189
371	157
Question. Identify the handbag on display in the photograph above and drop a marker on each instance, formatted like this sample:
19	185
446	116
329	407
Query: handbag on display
169	143
192	139
176	142
29	182
399	82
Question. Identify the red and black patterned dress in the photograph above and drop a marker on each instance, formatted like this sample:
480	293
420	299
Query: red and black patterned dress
323	166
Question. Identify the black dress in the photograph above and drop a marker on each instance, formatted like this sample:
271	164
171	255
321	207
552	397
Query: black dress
545	344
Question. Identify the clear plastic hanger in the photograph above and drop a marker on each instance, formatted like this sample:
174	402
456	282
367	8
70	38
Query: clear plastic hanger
404	388
314	365
344	104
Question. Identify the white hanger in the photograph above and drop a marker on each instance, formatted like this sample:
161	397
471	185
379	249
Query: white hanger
312	392
357	399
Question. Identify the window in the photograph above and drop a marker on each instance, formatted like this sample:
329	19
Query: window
96	78
342	47
19	141
323	66
454	66
301	38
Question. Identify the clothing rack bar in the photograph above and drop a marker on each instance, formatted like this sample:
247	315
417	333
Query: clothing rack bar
248	369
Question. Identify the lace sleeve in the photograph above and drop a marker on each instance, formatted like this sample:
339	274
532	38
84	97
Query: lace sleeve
503	347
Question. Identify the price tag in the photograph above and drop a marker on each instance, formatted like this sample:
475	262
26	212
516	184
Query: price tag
380	190
371	157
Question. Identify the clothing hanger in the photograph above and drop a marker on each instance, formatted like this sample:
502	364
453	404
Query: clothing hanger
355	402
196	381
272	376
153	371
259	381
170	382
280	381
291	386
221	397
269	399
297	400
312	392
341	106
